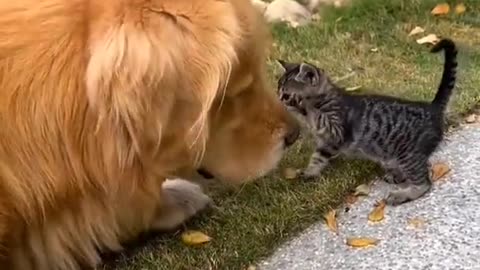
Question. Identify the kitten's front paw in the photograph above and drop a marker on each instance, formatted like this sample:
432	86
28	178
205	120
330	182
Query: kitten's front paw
306	174
396	198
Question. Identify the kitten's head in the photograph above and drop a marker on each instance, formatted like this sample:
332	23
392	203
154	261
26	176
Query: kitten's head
302	80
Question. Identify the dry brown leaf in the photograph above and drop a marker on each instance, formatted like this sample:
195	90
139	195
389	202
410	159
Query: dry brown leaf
193	238
439	170
362	190
351	198
361	241
353	88
289	173
460	8
331	220
416	223
416	30
428	39
378	213
441	9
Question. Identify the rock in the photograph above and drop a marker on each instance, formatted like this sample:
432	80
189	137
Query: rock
472	118
288	11
314	5
260	5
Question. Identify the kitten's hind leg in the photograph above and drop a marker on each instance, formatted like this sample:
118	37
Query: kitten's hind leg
417	183
318	161
393	176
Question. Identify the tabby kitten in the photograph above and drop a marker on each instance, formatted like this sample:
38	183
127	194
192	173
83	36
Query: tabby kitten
399	134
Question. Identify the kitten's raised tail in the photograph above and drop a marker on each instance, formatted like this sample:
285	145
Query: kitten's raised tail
449	72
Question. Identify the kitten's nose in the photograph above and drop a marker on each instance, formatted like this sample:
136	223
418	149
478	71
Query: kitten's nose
292	135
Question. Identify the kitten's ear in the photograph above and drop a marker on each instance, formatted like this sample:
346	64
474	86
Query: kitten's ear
308	74
286	65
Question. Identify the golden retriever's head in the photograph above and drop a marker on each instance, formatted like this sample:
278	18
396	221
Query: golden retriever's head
183	83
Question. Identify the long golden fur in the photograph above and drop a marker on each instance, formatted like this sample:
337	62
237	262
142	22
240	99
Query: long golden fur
101	101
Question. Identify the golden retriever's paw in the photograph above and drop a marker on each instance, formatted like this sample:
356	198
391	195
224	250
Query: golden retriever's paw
187	195
181	201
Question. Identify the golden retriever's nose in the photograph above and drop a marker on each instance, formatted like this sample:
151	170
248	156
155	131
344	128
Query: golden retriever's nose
292	135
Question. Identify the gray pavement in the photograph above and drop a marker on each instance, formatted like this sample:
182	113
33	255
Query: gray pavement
449	238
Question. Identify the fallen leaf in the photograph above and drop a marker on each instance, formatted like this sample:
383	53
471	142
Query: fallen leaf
416	223
431	38
353	88
362	190
374	49
351	198
331	220
441	9
416	30
289	173
361	241
472	118
378	213
460	8
439	170
195	238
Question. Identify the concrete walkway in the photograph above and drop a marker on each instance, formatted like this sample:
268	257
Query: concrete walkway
449	238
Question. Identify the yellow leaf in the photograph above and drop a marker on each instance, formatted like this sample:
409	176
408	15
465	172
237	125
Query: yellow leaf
361	241
460	8
439	170
289	173
431	39
331	220
416	223
362	190
195	238
441	9
416	30
378	213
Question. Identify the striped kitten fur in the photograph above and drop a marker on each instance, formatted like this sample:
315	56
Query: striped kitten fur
399	134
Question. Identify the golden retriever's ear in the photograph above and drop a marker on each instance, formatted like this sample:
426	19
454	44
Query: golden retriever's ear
121	76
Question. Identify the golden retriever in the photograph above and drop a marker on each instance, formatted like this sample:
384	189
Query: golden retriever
101	101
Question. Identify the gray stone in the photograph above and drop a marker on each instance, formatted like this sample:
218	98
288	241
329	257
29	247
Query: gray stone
288	11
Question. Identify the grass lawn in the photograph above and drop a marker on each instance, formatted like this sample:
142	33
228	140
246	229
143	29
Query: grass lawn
370	38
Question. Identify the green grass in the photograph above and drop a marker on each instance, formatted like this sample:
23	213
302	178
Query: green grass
251	222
